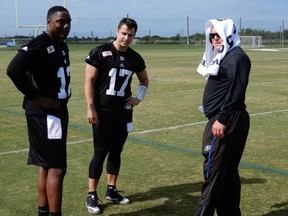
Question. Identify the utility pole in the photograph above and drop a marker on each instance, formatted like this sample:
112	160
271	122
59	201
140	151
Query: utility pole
283	35
188	32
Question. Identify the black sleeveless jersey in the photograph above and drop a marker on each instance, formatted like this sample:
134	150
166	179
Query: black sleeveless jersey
115	70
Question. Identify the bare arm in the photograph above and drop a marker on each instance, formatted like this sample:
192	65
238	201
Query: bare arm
90	77
143	78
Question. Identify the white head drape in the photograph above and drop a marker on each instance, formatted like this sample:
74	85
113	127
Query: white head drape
211	59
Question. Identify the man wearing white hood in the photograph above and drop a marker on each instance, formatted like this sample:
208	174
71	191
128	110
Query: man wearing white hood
226	67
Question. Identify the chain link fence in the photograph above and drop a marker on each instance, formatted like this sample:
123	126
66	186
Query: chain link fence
150	30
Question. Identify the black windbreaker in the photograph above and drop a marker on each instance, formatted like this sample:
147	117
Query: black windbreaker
225	92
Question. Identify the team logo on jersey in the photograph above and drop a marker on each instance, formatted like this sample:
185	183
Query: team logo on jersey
122	58
50	49
106	53
207	148
25	48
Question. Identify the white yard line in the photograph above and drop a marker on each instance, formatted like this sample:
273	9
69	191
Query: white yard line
168	128
150	131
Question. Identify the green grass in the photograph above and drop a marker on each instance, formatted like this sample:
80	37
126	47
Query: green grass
161	164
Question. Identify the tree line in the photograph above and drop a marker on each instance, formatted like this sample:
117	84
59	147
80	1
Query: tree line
266	35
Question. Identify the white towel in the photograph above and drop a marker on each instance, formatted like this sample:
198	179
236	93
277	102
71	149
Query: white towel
54	128
211	59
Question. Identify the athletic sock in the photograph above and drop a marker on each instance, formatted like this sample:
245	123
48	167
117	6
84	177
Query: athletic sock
92	193
43	211
111	187
55	213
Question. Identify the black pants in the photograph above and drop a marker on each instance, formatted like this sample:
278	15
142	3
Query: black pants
222	186
109	138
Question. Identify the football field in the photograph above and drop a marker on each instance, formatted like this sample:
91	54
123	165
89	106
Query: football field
161	168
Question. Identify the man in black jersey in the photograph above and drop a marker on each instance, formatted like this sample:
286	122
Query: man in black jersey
40	70
109	72
226	68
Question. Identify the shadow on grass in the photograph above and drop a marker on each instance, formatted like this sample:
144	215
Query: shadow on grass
281	210
253	181
175	200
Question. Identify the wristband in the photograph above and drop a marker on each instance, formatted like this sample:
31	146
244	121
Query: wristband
141	92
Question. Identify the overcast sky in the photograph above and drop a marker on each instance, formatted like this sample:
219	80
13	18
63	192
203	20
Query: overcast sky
155	17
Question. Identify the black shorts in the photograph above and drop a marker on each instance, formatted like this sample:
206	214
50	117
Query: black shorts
47	137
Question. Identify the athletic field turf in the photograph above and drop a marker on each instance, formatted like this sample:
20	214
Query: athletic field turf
161	163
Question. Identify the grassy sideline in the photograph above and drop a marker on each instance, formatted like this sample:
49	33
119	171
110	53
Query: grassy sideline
161	165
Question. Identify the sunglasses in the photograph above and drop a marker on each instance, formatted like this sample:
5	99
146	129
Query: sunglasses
212	35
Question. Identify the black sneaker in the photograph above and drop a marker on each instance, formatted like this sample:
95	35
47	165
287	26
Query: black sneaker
113	195
92	204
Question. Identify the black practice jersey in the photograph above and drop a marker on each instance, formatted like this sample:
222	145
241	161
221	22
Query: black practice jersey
225	92
41	67
115	70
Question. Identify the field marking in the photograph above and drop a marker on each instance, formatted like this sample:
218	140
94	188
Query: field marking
174	148
269	112
196	153
200	122
26	150
263	49
13	152
187	91
150	131
168	128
